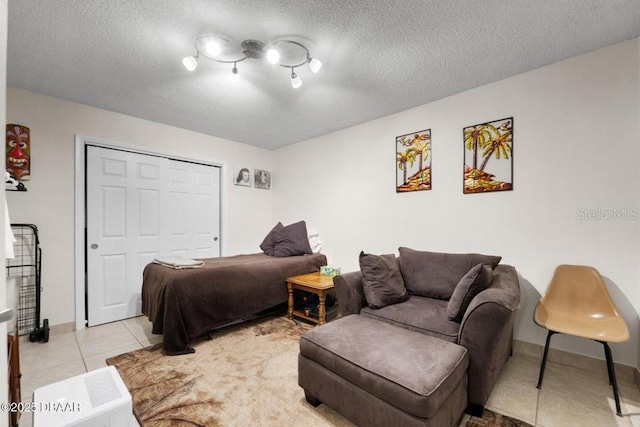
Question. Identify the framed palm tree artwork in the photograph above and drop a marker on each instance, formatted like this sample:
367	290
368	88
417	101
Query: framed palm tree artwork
488	157
413	161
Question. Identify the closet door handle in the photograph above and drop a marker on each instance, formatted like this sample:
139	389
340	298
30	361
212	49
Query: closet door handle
94	246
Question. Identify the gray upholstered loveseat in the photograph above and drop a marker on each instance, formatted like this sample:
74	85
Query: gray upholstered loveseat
485	329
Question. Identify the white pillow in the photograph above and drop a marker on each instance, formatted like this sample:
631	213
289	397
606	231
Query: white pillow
315	243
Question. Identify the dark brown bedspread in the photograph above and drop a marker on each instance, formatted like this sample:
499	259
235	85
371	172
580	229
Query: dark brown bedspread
185	304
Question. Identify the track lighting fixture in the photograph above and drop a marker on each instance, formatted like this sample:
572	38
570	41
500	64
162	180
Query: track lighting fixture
233	74
315	64
211	48
273	56
296	82
190	62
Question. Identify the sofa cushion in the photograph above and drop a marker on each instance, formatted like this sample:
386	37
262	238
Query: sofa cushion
268	245
291	240
412	372
425	315
474	282
382	281
435	275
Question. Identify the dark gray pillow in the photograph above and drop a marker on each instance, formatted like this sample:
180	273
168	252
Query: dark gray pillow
291	240
474	282
434	274
268	245
382	281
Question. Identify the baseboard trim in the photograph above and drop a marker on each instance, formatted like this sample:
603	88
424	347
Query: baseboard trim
60	329
577	360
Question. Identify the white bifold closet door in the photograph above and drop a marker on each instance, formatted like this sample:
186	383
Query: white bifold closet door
140	207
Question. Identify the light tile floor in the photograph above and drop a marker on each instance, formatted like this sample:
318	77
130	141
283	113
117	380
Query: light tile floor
569	396
73	353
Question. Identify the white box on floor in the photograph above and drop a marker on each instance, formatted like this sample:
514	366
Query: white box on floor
96	399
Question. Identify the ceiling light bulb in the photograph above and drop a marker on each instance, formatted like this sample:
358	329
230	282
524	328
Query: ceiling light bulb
315	65
273	56
190	62
213	48
233	75
296	81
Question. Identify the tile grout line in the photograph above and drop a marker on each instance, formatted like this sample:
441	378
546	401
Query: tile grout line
591	374
130	331
628	408
139	340
134	335
85	357
581	372
84	362
599	408
602	375
126	327
30	370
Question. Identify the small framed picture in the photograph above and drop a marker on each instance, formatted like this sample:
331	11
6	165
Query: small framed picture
262	179
488	157
242	176
413	161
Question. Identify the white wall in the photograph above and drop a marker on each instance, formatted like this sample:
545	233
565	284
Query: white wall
49	201
576	145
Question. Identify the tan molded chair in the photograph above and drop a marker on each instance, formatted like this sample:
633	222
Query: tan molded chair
577	303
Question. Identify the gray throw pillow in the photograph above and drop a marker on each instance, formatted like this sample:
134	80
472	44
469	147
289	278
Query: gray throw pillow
434	274
268	245
292	240
474	282
382	281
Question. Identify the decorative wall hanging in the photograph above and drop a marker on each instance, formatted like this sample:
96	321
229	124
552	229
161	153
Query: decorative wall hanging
262	179
413	159
242	176
18	152
488	157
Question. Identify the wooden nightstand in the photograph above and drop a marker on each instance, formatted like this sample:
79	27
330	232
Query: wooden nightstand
312	282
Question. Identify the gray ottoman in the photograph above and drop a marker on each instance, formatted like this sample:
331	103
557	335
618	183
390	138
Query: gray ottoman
376	374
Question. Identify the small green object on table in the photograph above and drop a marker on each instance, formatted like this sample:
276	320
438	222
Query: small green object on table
327	270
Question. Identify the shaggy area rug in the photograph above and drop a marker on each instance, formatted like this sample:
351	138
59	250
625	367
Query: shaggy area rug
493	419
246	375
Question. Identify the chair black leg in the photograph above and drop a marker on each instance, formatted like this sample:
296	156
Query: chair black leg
609	373
612	376
544	358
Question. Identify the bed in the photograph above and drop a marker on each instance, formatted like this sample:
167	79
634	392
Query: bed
185	304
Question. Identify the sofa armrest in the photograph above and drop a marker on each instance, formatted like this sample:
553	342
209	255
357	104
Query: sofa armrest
487	332
350	292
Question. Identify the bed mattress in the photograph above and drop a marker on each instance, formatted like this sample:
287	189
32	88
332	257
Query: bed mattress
185	304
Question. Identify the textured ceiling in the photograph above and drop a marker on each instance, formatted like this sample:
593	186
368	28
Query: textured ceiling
379	56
